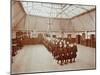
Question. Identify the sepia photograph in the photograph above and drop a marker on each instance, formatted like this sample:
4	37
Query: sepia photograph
52	37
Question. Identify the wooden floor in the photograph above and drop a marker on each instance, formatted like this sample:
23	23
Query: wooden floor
36	58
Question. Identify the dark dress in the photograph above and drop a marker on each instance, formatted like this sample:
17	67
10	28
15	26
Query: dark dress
74	51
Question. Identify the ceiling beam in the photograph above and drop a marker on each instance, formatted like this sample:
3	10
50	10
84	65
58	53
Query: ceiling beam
21	5
63	11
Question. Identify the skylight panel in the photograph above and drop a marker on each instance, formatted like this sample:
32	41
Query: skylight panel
78	11
71	8
55	10
85	7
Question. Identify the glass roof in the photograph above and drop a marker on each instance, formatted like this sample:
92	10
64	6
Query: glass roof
55	10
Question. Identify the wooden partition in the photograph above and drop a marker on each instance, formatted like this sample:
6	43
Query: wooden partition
78	39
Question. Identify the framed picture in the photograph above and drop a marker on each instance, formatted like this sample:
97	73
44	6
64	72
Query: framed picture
35	49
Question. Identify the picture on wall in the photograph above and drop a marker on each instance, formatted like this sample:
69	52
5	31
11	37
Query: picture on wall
52	37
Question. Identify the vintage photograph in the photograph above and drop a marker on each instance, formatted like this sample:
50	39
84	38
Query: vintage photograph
52	37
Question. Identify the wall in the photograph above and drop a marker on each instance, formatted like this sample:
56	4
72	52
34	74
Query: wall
18	17
84	22
42	24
